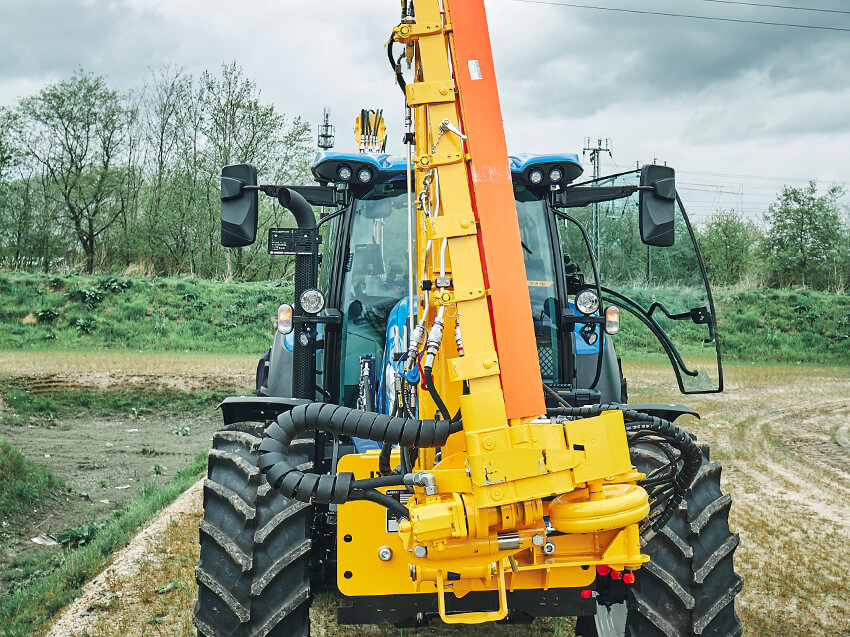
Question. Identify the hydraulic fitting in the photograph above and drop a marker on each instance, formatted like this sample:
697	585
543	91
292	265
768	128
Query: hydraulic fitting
422	479
435	339
458	338
413	349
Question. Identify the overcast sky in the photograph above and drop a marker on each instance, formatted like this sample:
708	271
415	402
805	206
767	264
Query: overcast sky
737	109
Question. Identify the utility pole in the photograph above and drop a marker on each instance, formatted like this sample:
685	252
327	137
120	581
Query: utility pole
326	131
602	146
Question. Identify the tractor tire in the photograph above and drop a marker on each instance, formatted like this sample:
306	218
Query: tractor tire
253	577
688	587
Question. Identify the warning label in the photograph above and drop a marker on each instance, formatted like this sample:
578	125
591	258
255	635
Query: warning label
402	495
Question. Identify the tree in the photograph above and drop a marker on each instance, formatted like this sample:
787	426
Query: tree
802	240
727	242
76	131
239	128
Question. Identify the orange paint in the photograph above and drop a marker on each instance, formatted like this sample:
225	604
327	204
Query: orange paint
492	191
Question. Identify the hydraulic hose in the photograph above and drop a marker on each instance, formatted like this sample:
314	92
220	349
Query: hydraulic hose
384	467
429	383
285	476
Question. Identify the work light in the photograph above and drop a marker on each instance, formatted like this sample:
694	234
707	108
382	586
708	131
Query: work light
312	301
535	176
555	175
344	172
587	302
364	175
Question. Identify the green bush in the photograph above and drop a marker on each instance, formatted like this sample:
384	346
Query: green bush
745	322
131	311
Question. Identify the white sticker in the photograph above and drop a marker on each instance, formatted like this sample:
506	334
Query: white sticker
474	70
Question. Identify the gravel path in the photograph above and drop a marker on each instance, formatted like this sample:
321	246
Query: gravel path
77	619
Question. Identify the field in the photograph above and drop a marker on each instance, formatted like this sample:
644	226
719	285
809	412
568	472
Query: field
781	431
105	425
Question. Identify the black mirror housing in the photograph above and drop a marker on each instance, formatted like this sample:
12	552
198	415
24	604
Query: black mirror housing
657	206
239	205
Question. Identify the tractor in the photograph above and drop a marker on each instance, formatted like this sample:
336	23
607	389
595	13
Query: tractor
442	425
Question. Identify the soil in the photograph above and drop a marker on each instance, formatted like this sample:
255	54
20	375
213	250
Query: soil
782	434
105	461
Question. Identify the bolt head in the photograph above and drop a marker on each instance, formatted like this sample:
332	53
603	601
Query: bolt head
538	539
548	548
420	551
385	554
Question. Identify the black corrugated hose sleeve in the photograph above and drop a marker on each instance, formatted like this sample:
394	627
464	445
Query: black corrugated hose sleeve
637	421
384	467
285	476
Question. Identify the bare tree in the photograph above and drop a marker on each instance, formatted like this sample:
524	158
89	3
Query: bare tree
76	130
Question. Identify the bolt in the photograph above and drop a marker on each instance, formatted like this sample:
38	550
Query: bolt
497	494
548	548
538	539
385	554
489	443
412	571
420	551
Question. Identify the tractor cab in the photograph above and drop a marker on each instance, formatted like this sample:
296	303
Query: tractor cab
600	260
574	276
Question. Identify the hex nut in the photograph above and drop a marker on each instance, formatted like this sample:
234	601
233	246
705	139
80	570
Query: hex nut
538	540
420	551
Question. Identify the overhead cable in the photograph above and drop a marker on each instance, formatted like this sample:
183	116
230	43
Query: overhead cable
683	15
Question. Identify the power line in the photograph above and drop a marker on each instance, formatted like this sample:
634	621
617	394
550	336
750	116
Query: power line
777	6
683	15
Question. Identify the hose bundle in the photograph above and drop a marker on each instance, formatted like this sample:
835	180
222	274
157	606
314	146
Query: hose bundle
285	476
667	485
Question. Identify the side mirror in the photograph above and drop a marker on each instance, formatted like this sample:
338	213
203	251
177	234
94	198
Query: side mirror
239	205
657	206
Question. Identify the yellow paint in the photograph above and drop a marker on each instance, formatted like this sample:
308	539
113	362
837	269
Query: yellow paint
498	478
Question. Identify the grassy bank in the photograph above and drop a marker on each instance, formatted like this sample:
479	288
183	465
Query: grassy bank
23	484
92	312
25	610
72	313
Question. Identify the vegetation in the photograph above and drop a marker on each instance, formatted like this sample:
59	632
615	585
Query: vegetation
25	611
86	312
95	179
23	484
25	405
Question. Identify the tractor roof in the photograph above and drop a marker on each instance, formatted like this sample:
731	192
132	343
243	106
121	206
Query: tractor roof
365	168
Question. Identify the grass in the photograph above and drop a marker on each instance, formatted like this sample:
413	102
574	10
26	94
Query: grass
787	325
72	313
68	313
27	609
163	589
23	484
25	404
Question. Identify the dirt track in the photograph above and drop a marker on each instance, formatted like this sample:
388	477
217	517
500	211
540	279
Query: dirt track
783	435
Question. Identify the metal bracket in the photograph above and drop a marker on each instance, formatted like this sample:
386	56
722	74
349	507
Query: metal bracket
454	225
473	366
426	162
435	92
474	617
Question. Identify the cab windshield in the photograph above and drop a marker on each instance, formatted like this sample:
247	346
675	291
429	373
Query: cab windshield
375	279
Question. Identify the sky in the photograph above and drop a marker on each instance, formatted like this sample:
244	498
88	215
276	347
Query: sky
738	109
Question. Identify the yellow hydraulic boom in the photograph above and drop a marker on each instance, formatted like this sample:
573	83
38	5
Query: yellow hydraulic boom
516	499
